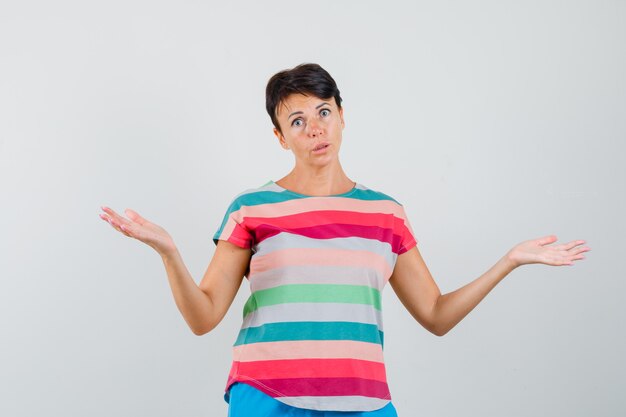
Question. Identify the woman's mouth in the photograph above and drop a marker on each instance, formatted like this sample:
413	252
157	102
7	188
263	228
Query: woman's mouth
321	148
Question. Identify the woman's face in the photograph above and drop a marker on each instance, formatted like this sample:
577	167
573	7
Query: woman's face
311	128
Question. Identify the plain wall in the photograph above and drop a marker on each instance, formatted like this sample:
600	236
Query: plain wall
492	122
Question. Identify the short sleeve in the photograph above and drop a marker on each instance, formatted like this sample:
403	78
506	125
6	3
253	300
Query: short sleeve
405	233
232	228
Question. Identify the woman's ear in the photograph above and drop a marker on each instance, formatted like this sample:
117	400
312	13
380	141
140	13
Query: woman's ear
343	124
281	139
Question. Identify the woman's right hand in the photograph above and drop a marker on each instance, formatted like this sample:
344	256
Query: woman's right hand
141	229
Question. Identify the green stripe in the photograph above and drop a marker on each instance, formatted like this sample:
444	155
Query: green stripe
310	330
313	293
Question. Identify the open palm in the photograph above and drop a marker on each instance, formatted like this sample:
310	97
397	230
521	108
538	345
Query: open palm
539	251
141	229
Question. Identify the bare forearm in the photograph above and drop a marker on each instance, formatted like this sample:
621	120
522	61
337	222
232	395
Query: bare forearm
192	302
452	307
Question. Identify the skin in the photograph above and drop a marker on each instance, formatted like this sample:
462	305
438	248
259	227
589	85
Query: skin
305	122
317	174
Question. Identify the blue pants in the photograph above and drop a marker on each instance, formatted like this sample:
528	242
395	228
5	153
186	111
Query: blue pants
247	401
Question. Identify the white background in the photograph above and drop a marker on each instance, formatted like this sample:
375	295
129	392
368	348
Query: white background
492	122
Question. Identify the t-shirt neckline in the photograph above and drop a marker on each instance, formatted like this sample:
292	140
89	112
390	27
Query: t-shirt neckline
356	186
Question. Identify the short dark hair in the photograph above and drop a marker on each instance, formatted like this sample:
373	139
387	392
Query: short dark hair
307	79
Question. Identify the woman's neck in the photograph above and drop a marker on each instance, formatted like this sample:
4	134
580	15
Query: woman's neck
317	183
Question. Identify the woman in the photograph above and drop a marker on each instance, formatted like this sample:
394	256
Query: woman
317	249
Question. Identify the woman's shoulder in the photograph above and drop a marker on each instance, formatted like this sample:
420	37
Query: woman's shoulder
255	195
268	186
376	194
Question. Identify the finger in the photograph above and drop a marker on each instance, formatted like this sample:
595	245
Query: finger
566	246
569	260
116	218
134	216
110	221
573	250
546	240
127	229
112	214
116	224
106	218
576	251
123	228
573	244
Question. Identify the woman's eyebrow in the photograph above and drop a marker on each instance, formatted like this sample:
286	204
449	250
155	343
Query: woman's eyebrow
299	112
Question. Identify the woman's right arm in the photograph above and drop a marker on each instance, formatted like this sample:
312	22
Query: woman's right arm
202	306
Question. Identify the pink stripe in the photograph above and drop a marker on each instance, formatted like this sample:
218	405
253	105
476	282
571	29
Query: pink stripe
304	213
306	206
312	368
321	217
321	225
227	231
330	231
319	256
325	387
327	224
297	206
308	349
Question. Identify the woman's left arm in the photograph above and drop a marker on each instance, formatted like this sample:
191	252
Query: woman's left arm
418	292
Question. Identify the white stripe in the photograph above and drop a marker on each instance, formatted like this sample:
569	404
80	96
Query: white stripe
338	403
322	274
293	312
290	240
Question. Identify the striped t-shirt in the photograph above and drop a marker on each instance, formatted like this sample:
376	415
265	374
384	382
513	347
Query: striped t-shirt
312	331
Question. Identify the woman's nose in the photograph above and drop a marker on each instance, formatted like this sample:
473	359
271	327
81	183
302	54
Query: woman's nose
314	128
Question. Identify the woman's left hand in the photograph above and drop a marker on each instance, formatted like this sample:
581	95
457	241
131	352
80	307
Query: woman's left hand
537	251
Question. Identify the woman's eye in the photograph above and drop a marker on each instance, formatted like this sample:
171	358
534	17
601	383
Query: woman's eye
297	122
326	110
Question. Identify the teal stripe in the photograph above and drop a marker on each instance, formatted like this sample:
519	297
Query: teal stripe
264	197
310	330
313	293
